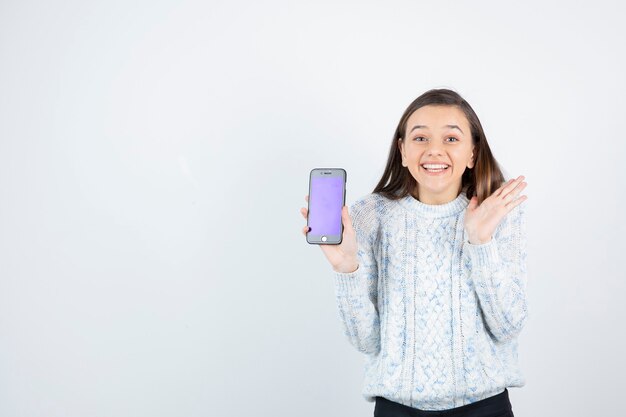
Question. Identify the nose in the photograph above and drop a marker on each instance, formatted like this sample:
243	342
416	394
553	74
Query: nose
434	148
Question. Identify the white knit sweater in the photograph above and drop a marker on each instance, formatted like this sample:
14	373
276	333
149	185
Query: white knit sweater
436	317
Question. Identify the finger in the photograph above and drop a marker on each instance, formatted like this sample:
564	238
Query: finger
499	190
511	205
509	185
518	187
304	212
305	230
306	198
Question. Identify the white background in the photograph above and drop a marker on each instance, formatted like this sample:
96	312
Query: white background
154	157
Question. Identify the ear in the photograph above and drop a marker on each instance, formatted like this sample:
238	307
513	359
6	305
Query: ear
401	151
472	162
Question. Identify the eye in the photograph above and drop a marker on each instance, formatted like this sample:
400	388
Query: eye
452	137
419	137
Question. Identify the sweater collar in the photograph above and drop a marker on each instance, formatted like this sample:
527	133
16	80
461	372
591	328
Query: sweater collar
451	208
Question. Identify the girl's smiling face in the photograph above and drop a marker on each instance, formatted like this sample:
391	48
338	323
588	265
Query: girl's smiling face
438	134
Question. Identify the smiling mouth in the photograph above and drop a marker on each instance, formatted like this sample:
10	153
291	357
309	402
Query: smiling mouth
435	170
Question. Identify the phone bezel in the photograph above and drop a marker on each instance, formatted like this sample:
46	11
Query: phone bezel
331	239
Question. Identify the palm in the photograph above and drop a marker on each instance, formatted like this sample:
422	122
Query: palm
337	253
482	221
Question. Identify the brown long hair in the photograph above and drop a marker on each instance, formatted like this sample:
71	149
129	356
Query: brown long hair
481	180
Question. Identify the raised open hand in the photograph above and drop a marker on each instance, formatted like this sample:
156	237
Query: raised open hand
482	221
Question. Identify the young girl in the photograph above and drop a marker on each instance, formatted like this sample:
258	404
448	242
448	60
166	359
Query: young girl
430	278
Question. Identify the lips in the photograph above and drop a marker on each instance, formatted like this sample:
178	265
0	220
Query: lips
435	166
435	171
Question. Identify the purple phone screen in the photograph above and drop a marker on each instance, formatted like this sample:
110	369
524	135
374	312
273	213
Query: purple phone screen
326	202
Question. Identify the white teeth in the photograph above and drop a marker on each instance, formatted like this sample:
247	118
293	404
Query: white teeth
428	166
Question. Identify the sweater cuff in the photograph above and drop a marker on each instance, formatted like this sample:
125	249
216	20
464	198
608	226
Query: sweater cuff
483	255
348	281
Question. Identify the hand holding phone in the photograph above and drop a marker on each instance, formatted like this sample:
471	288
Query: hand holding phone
342	257
328	221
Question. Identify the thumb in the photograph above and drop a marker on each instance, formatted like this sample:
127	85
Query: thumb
473	203
345	218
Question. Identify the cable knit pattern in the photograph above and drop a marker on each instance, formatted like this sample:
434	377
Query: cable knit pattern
435	316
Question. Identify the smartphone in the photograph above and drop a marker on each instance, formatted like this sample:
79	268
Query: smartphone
327	196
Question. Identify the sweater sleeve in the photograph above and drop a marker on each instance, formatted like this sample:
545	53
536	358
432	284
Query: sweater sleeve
500	276
356	292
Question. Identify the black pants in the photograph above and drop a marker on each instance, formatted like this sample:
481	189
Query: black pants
496	406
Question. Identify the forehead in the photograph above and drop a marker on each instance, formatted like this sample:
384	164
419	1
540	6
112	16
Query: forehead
437	117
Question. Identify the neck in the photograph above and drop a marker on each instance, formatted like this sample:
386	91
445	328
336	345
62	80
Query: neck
444	197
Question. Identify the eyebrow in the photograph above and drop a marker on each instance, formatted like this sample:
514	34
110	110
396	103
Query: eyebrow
426	127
